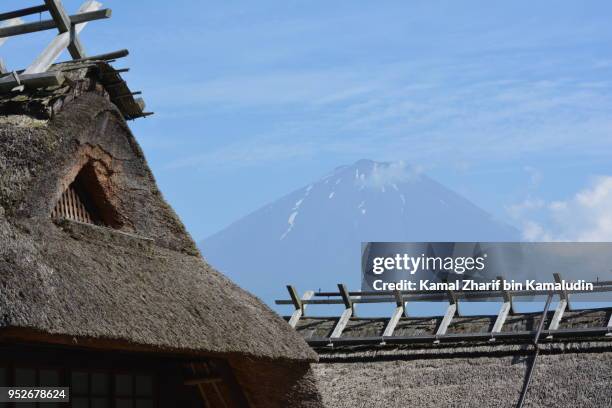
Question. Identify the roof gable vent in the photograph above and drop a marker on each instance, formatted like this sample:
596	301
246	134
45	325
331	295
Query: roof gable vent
70	206
84	200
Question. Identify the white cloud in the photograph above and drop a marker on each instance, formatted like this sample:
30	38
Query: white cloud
389	174
518	211
585	217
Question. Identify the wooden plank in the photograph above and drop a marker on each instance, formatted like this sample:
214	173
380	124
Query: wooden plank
346	314
346	297
299	312
400	310
556	319
297	302
117	71
80	208
561	307
75	205
501	317
344	293
127	95
395	318
44	60
72	205
59	15
105	56
59	43
531	368
75	48
23	12
342	322
41	80
295	317
506	295
506	308
7	25
27	28
446	320
69	204
563	294
452	298
400	301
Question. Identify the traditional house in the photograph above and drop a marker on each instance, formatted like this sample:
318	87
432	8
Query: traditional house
550	358
101	287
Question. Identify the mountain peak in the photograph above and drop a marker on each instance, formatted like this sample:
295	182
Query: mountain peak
313	235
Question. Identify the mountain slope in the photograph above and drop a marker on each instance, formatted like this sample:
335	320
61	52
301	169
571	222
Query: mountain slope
312	237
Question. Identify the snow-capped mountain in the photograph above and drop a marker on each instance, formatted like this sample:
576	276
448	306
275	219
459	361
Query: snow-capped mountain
311	238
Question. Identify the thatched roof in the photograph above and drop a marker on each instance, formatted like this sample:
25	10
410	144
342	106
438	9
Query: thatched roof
76	77
144	284
571	370
566	375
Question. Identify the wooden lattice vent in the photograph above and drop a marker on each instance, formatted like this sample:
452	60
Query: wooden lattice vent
71	207
85	201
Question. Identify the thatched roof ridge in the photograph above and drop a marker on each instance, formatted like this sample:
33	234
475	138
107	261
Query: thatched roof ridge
77	77
145	284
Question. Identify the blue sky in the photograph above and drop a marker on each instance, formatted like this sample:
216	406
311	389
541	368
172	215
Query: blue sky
509	104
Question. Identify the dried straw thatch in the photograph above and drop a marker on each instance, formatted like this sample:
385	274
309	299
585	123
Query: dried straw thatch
570	372
143	284
488	376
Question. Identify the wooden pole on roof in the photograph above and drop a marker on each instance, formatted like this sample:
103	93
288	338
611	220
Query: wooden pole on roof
346	314
400	310
536	353
23	12
64	25
106	56
37	26
505	309
41	80
561	307
300	306
60	42
8	24
451	310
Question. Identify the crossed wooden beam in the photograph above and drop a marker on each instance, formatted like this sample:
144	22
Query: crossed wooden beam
68	26
350	299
